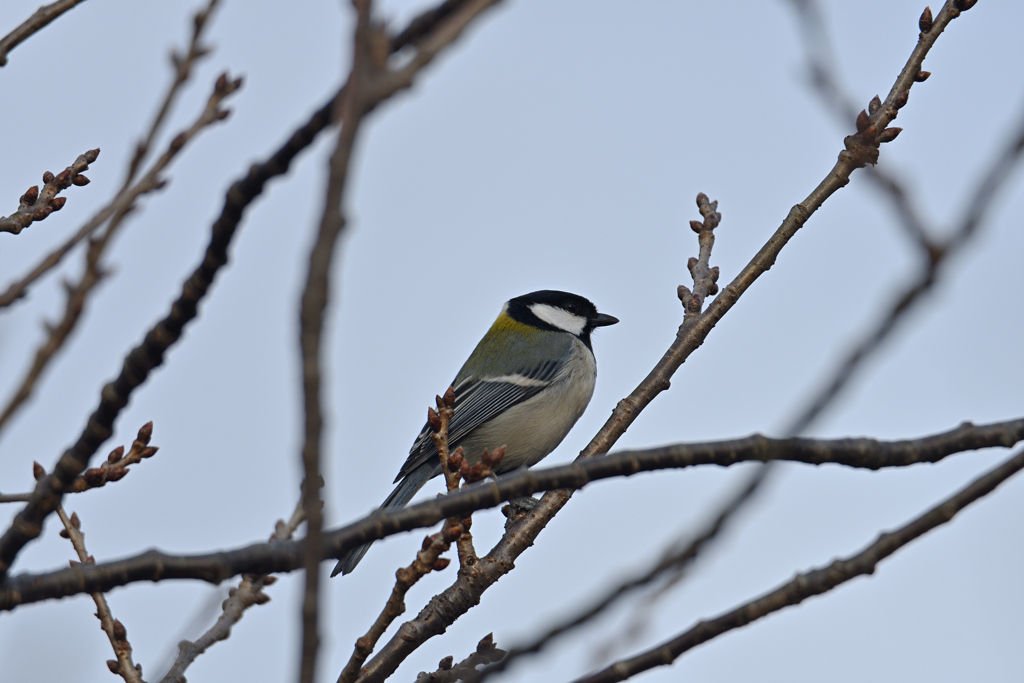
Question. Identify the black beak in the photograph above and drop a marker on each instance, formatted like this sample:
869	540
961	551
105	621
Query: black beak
602	320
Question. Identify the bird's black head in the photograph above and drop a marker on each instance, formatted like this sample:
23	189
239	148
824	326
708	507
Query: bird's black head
559	311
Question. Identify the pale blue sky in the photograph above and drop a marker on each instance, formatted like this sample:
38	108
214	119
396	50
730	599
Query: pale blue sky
559	145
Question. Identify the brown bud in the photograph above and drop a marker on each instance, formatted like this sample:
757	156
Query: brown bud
446	663
874	105
91	155
925	22
145	433
223	114
222	83
713	289
80	181
63	179
37	471
149	451
486	643
58	203
684	293
63	533
964	5
714	272
120	632
441	563
426	542
449	397
862	121
901	99
465	469
269	580
116	454
114	667
43	211
30	196
74	563
47	177
696	226
178	142
90	560
691	263
889	134
75	521
455	461
495	456
261	599
922	76
433	419
117	473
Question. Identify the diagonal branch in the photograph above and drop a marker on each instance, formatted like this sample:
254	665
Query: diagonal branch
39	20
78	293
182	70
149	354
266	558
814	582
861	149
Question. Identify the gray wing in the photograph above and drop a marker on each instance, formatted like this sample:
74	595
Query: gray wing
476	402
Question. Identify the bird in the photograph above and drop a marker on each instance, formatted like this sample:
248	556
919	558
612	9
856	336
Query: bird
524	386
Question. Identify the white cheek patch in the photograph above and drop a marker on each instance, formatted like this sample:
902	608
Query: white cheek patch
559	317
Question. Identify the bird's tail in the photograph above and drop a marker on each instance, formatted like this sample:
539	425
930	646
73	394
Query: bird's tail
399	498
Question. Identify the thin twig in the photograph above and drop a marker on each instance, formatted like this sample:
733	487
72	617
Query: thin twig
36	205
265	558
115	630
466	670
814	582
249	592
182	70
348	112
78	293
982	198
114	468
673	564
39	20
149	354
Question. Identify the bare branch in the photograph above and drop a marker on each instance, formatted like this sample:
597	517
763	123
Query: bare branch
39	20
466	670
861	149
149	354
114	468
249	592
36	204
263	558
78	293
992	181
812	583
370	82
183	69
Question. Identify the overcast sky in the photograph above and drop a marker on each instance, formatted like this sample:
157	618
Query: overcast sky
559	145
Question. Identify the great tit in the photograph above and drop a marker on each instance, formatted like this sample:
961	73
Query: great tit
523	387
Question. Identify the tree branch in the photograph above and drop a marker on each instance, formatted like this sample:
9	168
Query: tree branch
861	149
812	583
265	558
150	353
40	19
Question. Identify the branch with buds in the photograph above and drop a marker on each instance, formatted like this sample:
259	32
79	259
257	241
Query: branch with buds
705	278
36	204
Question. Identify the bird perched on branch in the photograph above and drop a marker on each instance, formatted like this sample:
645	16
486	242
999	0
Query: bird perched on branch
524	386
